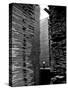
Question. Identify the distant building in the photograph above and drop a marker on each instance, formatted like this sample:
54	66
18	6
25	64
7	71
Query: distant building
44	42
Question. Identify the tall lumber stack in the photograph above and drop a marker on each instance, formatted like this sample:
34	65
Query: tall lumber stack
24	44
57	38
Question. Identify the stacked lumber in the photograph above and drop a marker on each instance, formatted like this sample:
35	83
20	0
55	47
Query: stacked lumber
23	25
57	36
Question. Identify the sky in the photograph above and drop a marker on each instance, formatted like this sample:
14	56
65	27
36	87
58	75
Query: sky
43	14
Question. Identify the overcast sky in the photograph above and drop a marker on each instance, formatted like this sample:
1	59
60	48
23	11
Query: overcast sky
43	14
